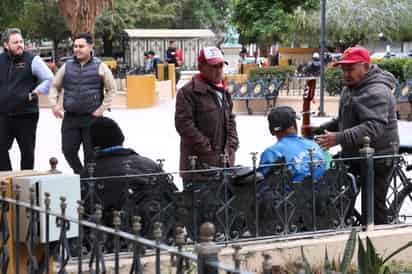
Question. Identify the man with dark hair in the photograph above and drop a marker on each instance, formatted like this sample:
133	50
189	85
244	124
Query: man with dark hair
295	150
89	87
155	60
174	56
23	77
366	108
204	118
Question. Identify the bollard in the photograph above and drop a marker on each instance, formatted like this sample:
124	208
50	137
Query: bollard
267	264
367	183
207	250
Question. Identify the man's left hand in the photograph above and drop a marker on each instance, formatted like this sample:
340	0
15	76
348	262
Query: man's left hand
326	140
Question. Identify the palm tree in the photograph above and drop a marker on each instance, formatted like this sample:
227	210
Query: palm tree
80	15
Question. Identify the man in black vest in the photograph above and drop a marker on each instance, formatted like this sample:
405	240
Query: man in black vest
23	77
88	87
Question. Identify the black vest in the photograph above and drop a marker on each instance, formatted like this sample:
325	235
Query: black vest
83	87
16	82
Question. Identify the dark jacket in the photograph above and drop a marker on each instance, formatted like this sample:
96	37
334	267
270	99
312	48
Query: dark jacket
206	127
83	87
119	162
16	82
367	109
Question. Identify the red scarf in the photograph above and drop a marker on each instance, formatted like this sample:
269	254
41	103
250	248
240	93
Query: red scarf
219	86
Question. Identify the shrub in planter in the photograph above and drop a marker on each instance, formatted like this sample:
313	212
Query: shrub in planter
394	66
280	72
333	80
407	70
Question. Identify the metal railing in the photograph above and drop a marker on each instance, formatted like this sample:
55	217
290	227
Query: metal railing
207	251
233	198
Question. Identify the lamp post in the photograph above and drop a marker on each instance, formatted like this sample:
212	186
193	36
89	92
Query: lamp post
322	57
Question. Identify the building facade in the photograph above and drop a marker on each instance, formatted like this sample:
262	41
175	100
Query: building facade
189	40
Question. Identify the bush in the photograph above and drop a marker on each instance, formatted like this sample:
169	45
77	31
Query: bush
394	66
333	80
280	72
407	70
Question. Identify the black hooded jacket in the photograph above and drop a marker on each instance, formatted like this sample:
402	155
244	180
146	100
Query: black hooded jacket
367	109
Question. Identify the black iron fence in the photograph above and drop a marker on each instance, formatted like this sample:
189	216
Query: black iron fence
206	259
153	217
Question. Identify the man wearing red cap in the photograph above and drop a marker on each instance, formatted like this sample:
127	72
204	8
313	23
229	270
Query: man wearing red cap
204	117
366	108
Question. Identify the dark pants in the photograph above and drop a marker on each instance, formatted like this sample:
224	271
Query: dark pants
22	128
383	169
75	132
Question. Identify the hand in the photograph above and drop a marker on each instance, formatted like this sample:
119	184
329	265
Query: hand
34	95
98	112
326	140
57	112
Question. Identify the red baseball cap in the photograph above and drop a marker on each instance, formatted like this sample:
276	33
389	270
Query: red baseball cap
354	55
210	55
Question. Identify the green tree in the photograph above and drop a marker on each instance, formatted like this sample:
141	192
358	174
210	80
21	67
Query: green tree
41	20
212	14
266	21
9	13
132	14
350	22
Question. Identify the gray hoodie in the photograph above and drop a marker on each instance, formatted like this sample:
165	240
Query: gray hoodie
367	109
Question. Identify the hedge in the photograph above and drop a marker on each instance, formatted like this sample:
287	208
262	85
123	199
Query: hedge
279	72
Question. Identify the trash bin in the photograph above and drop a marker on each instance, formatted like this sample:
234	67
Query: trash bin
141	92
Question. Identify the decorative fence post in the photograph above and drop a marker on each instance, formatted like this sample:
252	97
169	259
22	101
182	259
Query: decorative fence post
47	245
207	250
255	202
237	258
17	192
136	265
157	234
31	239
267	264
367	183
5	232
193	188
313	187
116	223
180	241
63	244
80	212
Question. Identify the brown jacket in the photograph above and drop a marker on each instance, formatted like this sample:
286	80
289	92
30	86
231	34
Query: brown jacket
206	125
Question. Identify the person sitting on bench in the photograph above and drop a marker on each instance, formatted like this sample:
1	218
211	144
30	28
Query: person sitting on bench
293	148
